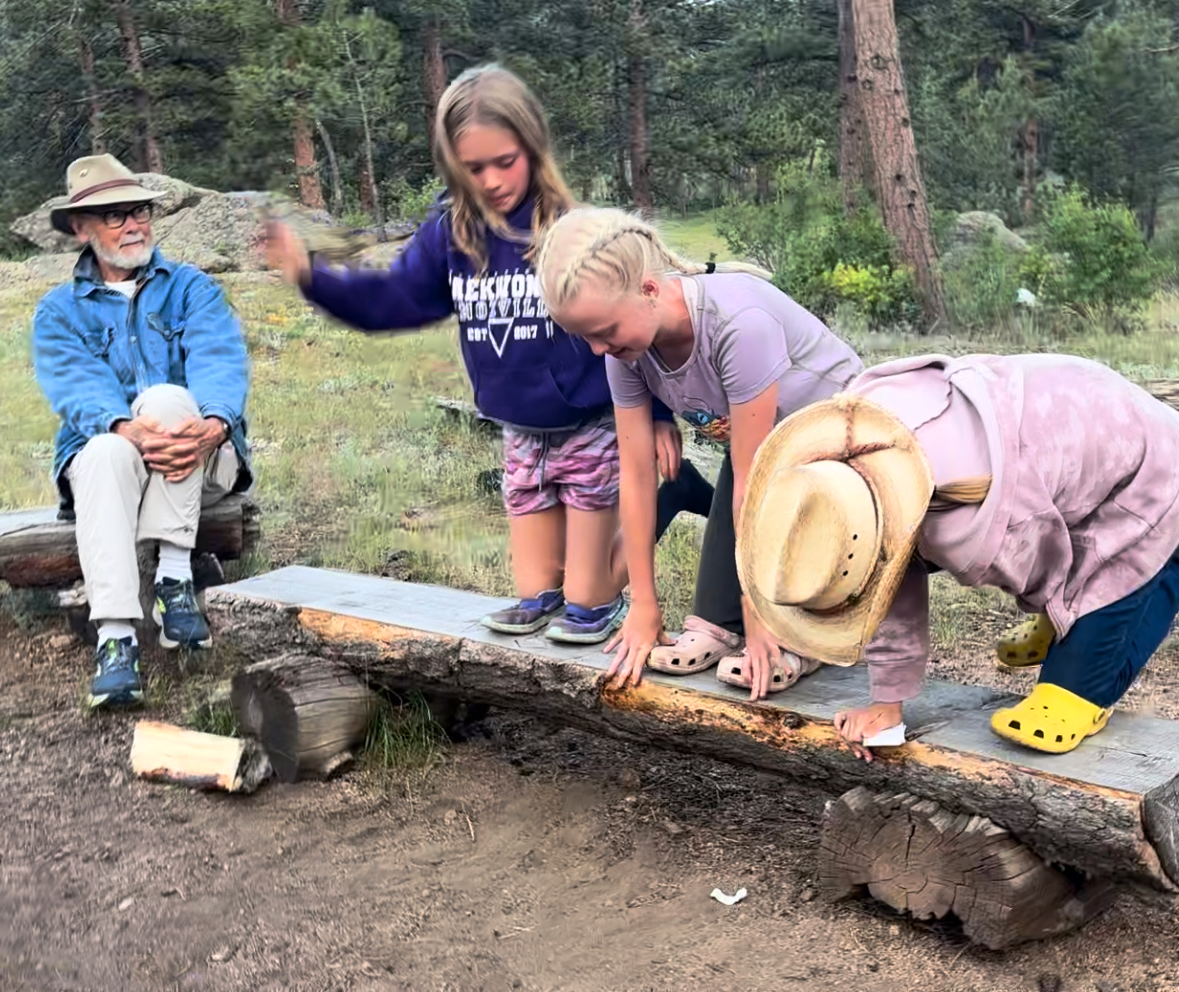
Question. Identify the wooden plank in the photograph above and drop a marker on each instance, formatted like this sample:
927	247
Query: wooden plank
38	550
1083	810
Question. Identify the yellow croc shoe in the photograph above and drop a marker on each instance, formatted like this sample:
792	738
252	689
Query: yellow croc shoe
1026	644
1050	719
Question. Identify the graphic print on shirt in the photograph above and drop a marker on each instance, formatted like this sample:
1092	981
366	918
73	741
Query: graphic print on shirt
709	426
501	307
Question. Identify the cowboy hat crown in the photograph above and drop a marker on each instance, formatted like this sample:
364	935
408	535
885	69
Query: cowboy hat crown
97	181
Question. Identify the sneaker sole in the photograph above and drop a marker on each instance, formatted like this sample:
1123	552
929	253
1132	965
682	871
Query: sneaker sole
112	700
171	645
521	628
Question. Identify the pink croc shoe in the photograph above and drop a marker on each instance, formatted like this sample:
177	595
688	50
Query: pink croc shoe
789	670
697	649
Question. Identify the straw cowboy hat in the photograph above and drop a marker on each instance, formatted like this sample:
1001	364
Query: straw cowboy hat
97	181
832	511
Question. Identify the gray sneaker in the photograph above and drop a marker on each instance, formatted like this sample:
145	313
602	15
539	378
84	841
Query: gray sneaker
527	616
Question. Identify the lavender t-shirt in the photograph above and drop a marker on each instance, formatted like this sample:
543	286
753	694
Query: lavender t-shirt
749	335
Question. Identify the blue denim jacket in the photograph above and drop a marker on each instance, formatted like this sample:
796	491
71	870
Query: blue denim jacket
95	350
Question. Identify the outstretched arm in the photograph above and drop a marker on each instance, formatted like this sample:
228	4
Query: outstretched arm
414	291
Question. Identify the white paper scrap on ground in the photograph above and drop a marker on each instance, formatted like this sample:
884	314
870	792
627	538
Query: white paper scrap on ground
729	900
892	737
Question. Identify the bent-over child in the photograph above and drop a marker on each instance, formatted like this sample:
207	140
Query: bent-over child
995	470
731	354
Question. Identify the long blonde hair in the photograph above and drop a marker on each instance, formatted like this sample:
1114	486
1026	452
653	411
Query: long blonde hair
492	96
617	248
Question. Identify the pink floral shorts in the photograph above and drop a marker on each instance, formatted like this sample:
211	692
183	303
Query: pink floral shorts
577	468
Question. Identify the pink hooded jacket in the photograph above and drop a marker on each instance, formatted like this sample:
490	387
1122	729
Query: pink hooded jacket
1084	501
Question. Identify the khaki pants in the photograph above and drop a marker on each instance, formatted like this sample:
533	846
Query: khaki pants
118	501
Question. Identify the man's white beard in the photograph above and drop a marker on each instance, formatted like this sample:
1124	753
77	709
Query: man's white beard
131	257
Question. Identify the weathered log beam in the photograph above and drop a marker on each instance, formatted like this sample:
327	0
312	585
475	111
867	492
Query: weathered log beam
1108	809
920	859
38	550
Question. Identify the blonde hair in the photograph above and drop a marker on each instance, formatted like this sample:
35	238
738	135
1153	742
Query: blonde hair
491	96
969	491
615	247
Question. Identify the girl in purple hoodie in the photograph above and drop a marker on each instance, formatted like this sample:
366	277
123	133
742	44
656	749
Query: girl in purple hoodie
472	258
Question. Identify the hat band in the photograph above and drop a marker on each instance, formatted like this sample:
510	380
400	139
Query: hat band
90	190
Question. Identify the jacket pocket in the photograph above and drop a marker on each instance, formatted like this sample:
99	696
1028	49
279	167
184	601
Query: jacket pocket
98	340
166	328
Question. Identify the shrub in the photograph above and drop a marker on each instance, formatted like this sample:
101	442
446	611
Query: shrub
1105	265
981	283
819	255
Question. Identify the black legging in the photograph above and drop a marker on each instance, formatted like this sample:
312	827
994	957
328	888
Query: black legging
718	589
690	492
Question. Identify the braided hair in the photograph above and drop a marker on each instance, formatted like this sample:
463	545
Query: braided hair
616	248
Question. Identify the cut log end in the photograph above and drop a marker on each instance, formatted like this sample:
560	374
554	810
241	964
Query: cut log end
921	859
161	752
308	716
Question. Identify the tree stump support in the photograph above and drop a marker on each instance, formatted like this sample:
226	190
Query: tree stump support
921	859
308	717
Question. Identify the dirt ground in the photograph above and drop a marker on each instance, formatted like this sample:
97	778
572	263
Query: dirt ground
535	858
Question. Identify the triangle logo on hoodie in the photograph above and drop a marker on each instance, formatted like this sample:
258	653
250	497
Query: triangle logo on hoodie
504	326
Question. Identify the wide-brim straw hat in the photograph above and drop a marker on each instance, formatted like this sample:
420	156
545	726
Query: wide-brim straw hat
97	181
832	511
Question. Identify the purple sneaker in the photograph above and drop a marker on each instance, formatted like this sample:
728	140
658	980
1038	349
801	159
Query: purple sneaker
527	616
580	625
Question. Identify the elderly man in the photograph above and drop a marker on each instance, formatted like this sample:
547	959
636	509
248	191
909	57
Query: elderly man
145	364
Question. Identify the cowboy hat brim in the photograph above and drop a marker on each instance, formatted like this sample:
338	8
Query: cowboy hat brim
888	457
59	213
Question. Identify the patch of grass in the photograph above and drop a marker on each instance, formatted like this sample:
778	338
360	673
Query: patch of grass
404	740
31	609
676	560
212	716
695	237
956	613
159	689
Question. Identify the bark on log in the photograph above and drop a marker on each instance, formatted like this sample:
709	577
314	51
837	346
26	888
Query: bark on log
38	550
308	715
918	858
1070	812
161	752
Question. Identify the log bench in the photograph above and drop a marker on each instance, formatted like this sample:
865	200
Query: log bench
1015	843
38	550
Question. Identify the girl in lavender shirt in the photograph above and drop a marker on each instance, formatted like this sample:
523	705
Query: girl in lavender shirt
730	353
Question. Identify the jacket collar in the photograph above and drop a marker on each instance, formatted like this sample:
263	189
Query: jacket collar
88	277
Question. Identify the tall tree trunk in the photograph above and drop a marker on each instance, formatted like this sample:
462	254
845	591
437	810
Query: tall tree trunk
378	214
93	100
334	167
306	163
148	150
640	164
899	184
365	184
855	164
762	173
433	72
1030	132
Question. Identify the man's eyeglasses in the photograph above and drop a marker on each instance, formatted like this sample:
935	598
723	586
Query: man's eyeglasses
114	219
